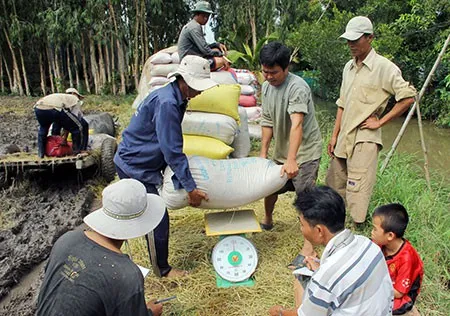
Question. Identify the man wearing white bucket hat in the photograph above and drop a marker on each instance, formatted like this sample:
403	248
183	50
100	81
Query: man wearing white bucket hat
87	274
369	80
153	140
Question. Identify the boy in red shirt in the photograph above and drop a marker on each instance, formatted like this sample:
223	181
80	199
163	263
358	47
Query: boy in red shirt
404	264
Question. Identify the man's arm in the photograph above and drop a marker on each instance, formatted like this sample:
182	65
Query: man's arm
336	129
290	167
199	40
399	108
266	137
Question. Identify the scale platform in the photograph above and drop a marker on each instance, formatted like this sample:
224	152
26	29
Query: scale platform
234	257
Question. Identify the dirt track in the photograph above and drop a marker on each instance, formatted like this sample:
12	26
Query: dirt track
36	207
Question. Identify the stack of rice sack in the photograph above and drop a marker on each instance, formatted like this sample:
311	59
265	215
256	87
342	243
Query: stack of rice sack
250	89
155	71
212	121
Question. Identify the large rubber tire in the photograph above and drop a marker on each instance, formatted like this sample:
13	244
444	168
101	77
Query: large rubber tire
107	167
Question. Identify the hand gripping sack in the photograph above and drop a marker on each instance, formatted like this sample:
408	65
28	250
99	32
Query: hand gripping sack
218	126
227	182
222	99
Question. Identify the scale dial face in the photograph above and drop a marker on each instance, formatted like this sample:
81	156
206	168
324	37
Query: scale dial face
234	258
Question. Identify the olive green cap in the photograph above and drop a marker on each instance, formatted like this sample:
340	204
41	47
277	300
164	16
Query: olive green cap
203	6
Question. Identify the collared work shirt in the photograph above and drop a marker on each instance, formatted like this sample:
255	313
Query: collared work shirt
154	140
192	42
58	101
278	103
365	91
352	279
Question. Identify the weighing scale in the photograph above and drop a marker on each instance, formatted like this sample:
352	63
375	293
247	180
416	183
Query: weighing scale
234	257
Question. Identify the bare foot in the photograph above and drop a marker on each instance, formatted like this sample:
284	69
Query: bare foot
176	273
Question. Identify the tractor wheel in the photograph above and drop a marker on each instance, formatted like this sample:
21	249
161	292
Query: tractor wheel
107	167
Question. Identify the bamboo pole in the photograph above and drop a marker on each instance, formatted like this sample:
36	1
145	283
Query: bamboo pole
424	147
411	112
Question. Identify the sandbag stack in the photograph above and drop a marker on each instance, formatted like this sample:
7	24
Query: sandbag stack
155	71
211	122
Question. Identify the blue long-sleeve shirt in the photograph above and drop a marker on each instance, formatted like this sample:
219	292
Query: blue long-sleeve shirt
154	140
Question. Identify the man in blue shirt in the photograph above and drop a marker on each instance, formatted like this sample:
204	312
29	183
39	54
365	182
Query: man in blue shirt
154	140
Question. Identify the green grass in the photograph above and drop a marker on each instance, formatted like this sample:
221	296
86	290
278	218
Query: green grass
402	181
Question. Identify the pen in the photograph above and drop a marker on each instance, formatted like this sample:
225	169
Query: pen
165	299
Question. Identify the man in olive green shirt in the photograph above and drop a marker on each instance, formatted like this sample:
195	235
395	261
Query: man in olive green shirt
368	82
289	118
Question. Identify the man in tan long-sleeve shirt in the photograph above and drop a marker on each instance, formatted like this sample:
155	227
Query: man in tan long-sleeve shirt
368	81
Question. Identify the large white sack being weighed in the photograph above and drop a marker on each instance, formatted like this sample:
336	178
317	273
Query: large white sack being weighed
227	182
218	126
241	143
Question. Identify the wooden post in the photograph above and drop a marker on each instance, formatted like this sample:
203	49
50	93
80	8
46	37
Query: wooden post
411	112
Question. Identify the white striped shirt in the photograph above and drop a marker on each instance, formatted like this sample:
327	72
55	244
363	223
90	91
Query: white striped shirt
353	279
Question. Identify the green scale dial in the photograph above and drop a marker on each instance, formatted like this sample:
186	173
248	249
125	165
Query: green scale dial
235	258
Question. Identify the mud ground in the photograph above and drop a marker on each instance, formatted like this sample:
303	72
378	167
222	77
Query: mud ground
36	207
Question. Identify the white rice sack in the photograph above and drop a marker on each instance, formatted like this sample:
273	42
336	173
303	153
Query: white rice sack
161	58
162	70
245	77
218	126
175	58
254	131
158	81
253	113
241	143
223	77
247	89
227	182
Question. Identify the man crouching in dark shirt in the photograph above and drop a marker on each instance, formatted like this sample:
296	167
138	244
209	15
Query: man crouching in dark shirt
87	274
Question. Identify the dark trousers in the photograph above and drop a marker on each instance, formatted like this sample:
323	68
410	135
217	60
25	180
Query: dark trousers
160	233
62	119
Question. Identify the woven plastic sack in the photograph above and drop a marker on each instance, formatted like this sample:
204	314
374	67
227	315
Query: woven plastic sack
205	147
175	58
222	99
55	148
158	81
228	182
247	100
247	89
253	113
163	70
161	58
218	126
223	77
241	143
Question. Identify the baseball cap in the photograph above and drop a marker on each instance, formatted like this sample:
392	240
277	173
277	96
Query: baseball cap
357	27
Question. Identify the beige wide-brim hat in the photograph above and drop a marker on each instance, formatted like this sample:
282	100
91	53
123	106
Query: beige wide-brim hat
75	91
128	211
357	27
195	72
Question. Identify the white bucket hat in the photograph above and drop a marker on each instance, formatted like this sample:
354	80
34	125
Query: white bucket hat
128	211
357	27
73	90
196	72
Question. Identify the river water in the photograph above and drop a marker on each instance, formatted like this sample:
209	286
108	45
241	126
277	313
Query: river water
437	141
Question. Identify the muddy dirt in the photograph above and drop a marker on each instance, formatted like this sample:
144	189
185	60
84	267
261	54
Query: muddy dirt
36	207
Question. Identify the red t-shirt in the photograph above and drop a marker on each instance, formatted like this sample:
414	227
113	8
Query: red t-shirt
406	271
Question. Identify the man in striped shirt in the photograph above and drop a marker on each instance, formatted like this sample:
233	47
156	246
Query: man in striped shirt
351	277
